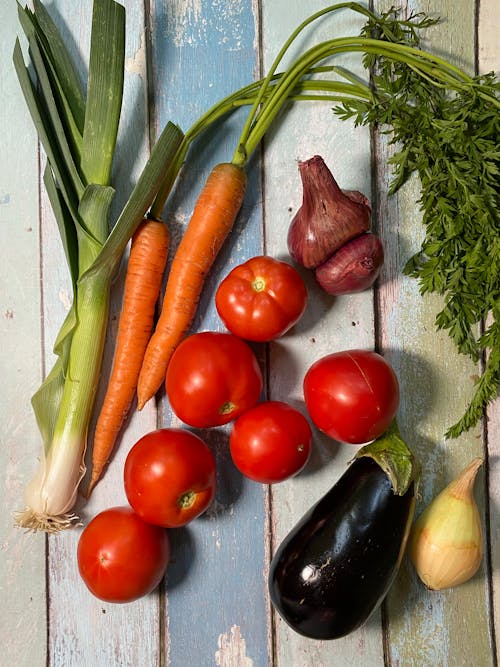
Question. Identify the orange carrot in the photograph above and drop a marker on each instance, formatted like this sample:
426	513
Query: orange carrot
146	264
211	222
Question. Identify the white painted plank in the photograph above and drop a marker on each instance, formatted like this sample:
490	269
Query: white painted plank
489	61
22	555
329	324
425	627
202	51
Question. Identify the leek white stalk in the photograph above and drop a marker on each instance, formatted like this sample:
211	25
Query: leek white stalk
52	493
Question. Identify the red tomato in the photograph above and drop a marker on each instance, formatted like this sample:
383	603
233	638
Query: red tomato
169	477
261	299
120	556
212	378
271	442
352	396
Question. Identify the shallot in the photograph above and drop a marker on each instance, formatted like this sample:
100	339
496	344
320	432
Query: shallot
352	268
328	217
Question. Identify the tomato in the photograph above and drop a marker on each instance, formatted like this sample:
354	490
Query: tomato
120	556
261	299
352	396
169	477
270	442
212	378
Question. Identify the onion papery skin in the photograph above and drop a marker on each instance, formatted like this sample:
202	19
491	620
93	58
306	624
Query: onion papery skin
354	267
328	217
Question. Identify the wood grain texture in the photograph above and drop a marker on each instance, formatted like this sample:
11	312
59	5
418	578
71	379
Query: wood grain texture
329	324
202	51
22	556
425	627
213	608
489	61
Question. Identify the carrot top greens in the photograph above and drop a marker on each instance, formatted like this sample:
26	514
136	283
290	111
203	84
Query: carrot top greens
448	133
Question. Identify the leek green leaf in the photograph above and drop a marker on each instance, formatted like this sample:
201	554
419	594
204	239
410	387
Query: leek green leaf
64	80
45	92
46	400
44	130
65	223
94	212
104	90
60	60
163	153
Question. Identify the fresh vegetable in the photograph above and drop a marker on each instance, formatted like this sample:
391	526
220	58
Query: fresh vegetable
212	220
352	268
446	542
212	378
78	133
337	564
329	233
121	557
270	442
328	218
261	299
169	477
225	190
146	264
352	395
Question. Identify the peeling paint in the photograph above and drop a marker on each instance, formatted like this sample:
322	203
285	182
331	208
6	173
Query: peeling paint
65	299
137	63
181	15
188	25
232	650
216	509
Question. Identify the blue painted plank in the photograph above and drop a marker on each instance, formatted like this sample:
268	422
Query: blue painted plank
203	51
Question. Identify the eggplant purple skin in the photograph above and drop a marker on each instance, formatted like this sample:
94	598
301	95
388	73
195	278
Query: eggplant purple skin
337	564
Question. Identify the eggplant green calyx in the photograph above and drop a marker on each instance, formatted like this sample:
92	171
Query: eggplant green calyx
395	458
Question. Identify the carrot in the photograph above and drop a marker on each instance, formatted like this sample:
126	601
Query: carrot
212	220
146	264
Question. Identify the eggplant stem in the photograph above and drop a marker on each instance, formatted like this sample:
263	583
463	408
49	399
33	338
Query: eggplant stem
395	458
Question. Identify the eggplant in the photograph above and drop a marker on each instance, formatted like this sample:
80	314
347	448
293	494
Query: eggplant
337	564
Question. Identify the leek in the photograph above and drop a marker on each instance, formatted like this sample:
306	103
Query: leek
78	133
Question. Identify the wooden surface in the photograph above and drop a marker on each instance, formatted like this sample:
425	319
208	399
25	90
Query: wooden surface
213	608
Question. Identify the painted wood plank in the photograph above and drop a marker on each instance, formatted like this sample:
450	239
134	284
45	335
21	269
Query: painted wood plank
22	555
329	324
202	51
489	61
424	627
213	609
81	629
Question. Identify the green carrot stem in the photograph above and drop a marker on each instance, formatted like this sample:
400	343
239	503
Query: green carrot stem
426	64
244	97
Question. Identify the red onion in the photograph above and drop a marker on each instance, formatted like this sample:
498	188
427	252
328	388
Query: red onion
328	217
354	267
